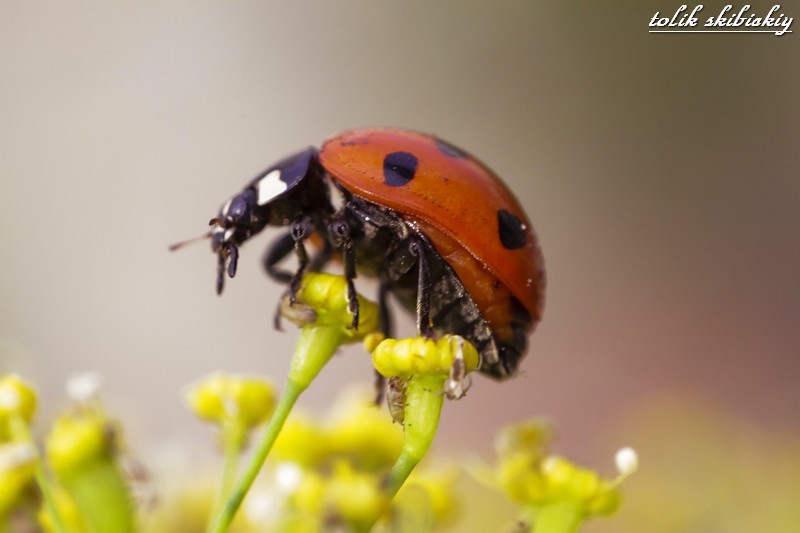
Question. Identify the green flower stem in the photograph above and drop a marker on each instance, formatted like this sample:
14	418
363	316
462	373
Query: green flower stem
233	435
101	493
424	401
20	432
314	349
558	517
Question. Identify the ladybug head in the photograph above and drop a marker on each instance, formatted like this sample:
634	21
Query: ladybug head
239	219
291	188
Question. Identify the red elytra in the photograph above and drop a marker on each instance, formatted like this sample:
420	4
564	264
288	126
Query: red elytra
454	200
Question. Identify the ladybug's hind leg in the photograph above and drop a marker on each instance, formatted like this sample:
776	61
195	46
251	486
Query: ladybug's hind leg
407	253
424	327
387	328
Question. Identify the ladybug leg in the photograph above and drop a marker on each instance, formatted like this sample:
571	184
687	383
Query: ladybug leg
277	252
340	235
301	230
387	328
423	289
458	383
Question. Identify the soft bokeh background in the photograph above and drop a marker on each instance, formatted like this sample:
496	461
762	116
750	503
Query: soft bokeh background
661	173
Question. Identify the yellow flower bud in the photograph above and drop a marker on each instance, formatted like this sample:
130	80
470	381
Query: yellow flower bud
356	497
326	294
521	480
419	355
17	398
309	498
301	441
223	398
362	432
606	501
356	429
77	439
530	438
16	474
372	341
566	481
438	487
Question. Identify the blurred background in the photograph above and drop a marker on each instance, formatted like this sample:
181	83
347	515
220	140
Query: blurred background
660	171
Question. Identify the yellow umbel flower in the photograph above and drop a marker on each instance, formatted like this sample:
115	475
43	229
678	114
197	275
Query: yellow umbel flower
557	494
355	497
17	400
322	300
223	398
81	449
77	439
418	355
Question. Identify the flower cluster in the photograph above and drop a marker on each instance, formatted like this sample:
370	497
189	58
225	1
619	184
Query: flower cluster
556	495
353	470
330	472
87	490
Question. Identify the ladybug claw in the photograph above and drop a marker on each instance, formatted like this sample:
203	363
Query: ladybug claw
354	323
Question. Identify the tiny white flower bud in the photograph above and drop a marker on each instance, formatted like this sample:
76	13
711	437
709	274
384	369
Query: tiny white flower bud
262	506
288	477
627	461
83	388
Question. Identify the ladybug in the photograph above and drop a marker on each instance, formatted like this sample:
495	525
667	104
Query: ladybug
434	225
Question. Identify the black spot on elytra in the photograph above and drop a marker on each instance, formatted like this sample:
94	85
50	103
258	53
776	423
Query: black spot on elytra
399	168
511	229
449	150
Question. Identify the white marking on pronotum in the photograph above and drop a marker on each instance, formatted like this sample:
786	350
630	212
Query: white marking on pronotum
229	234
270	186
226	207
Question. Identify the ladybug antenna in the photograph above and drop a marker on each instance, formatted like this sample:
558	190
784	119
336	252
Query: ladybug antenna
179	245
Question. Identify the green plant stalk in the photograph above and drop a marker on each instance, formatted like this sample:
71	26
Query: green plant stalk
424	401
101	493
557	517
20	432
316	345
233	438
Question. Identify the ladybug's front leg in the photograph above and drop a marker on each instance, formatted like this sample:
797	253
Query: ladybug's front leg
339	231
280	249
301	230
277	252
